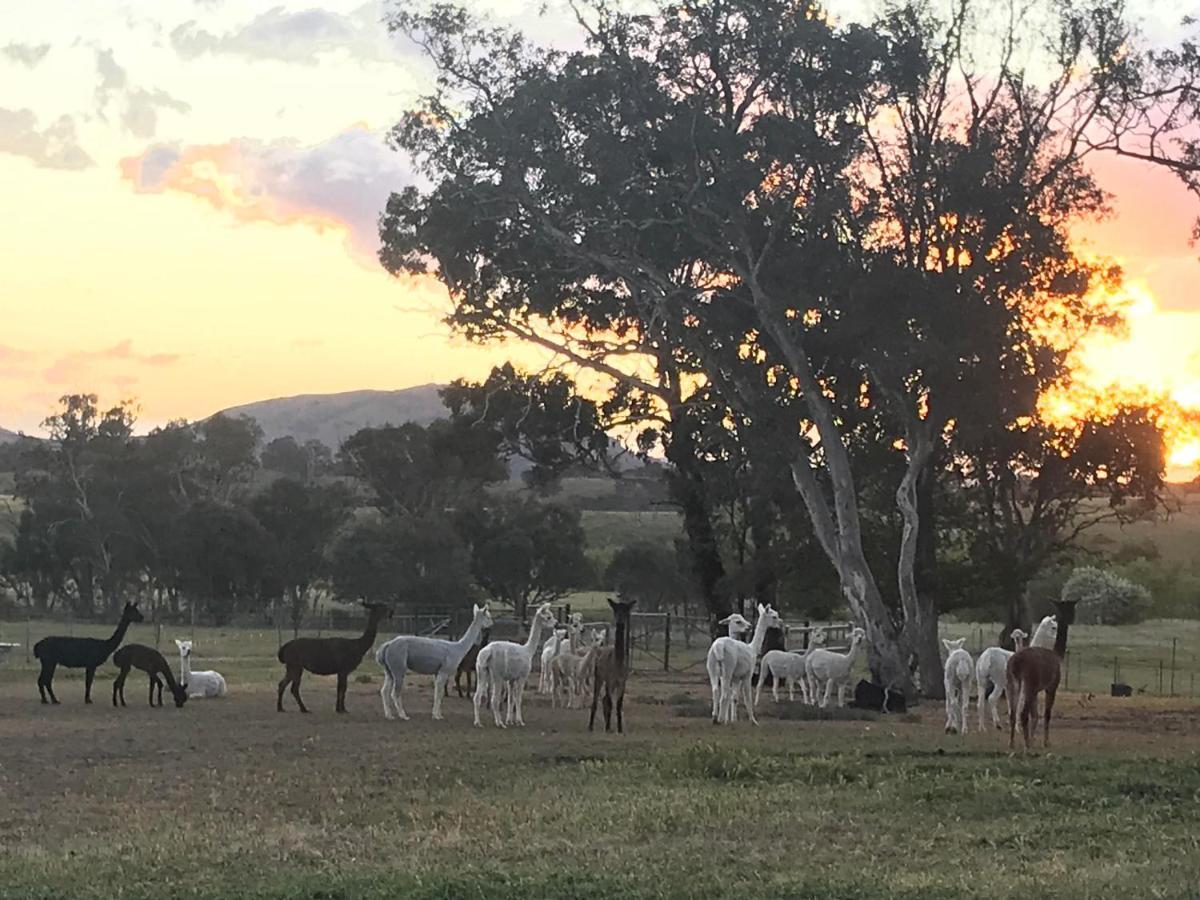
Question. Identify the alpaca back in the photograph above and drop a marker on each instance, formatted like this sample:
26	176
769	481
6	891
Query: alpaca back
733	658
958	669
505	661
992	666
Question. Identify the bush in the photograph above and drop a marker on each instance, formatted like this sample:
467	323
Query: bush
1105	598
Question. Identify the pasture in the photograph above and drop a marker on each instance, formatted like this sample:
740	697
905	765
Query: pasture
228	798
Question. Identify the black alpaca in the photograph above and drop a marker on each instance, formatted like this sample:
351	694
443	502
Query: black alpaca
328	656
79	653
154	664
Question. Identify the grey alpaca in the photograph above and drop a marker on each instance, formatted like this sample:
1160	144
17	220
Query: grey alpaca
425	656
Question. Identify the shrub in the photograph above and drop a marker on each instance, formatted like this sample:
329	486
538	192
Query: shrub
1105	598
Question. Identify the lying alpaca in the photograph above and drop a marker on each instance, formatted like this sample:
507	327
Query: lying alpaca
80	653
200	684
737	625
503	666
612	669
957	680
328	656
571	671
823	665
425	656
990	670
735	666
154	664
1033	670
789	665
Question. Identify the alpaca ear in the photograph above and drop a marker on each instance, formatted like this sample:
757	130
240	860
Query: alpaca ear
946	644
724	621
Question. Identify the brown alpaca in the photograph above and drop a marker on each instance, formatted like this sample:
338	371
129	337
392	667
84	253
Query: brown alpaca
612	668
1033	670
328	656
467	666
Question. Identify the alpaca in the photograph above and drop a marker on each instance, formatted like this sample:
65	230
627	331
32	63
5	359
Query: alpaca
565	639
990	669
786	665
957	680
200	684
570	671
467	666
832	668
505	665
1033	670
735	666
1046	633
328	656
80	653
154	664
737	625
425	656
612	669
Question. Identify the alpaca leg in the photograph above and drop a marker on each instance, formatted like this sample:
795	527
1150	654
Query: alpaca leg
608	708
296	690
477	699
520	704
385	695
714	680
89	676
998	691
966	706
828	693
439	684
1051	693
792	689
342	680
152	680
497	693
982	700
46	681
283	683
596	698
398	694
746	700
841	694
758	692
949	710
1027	706
621	711
119	688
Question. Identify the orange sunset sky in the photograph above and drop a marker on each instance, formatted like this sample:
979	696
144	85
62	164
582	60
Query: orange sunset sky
190	195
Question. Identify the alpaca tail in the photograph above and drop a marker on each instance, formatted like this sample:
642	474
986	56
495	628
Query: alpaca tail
381	658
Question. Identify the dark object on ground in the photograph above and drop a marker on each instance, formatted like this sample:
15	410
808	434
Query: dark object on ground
1121	690
868	695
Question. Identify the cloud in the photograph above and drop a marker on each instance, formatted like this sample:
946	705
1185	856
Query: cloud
79	365
139	106
294	36
28	55
54	147
342	183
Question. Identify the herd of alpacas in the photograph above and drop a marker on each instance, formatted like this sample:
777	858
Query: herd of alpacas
574	664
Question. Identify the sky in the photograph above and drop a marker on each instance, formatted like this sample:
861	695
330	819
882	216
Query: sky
191	191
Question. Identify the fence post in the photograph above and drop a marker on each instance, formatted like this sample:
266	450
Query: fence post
1174	642
1160	678
667	644
28	636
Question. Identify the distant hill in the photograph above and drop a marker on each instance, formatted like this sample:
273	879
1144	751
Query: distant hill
7	437
331	418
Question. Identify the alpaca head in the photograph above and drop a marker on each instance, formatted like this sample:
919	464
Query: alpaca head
377	611
951	646
737	623
185	648
597	637
816	637
1019	638
857	636
576	619
481	616
621	608
131	613
768	618
1064	612
180	692
544	616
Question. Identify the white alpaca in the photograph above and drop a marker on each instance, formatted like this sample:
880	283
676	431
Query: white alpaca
787	665
565	639
737	624
198	684
957	681
571	671
425	656
505	664
832	668
991	668
735	666
1046	633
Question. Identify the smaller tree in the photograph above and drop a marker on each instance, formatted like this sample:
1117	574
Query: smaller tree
524	551
647	572
285	456
1105	598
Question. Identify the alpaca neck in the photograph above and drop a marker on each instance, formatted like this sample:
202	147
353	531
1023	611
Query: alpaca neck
185	668
169	677
760	634
119	634
470	636
852	653
372	629
1060	641
535	632
619	646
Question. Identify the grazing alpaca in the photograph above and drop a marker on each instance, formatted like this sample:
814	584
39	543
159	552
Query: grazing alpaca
990	670
735	666
503	666
425	656
832	668
328	656
154	664
612	669
956	677
1033	670
80	653
200	684
570	671
738	624
467	666
786	665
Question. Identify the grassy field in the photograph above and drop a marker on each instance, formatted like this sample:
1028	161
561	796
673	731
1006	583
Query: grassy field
228	798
